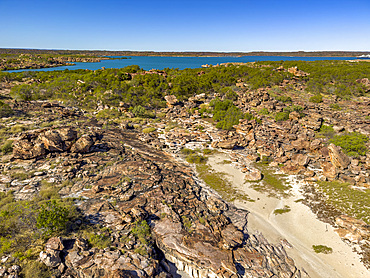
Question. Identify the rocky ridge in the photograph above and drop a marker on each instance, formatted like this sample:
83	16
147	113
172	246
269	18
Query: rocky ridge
122	184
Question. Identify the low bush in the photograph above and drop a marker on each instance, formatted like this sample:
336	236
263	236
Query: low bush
140	111
335	106
187	151
51	217
141	231
149	130
100	241
316	98
282	116
7	147
196	158
327	131
352	143
34	269
5	110
263	111
284	98
108	114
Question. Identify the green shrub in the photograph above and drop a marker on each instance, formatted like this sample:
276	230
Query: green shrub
51	217
283	210
100	241
108	114
141	112
7	147
149	130
335	106
196	158
282	116
322	249
327	131
284	98
34	269
187	151
352	143
263	111
141	231
5	109
316	98
231	117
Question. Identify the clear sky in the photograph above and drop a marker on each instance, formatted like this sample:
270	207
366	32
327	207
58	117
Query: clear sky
173	25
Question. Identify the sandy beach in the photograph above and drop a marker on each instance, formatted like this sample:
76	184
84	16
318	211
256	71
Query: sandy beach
300	227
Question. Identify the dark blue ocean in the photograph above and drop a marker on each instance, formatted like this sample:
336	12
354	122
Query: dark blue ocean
148	63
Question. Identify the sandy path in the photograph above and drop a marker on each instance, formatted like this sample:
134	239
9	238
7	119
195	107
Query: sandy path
299	227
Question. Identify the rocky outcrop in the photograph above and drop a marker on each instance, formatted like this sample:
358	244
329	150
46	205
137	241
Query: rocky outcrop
352	229
36	144
140	186
337	157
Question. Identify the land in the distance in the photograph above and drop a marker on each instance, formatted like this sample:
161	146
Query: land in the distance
121	172
187	53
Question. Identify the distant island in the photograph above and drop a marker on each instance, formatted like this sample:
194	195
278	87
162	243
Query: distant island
186	53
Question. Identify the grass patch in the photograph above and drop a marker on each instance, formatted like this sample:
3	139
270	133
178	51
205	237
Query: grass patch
100	241
283	210
271	183
322	249
225	161
19	176
353	202
196	158
219	183
264	111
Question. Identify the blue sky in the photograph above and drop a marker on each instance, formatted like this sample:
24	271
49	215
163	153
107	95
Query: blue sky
202	25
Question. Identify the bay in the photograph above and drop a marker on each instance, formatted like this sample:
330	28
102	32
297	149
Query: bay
160	62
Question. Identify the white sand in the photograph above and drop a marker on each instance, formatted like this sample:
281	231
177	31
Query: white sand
299	227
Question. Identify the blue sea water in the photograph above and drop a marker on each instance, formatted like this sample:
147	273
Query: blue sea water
148	63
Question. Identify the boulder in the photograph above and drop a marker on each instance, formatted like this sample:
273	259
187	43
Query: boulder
225	144
50	258
312	121
231	237
329	170
171	100
83	144
52	141
54	243
301	144
292	168
337	157
300	159
253	174
25	149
